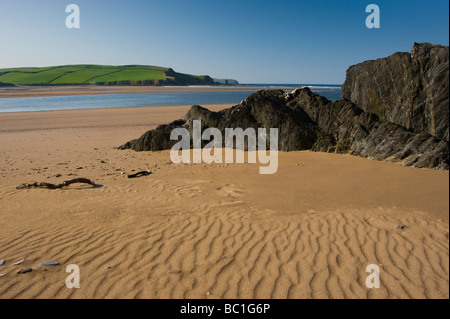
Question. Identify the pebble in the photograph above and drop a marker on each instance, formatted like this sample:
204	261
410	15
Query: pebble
173	271
24	271
2	262
2	275
50	263
400	227
19	262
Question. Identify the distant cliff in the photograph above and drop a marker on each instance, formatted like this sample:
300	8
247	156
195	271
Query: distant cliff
226	81
307	121
175	78
409	89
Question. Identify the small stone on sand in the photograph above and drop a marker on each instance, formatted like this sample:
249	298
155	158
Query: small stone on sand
174	271
24	271
19	262
2	262
50	263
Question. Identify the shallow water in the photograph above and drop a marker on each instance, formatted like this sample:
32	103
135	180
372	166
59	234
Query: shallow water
52	103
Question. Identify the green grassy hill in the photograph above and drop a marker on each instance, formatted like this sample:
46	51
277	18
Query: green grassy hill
101	75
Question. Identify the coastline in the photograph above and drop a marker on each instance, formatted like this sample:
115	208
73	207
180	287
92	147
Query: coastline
309	231
44	91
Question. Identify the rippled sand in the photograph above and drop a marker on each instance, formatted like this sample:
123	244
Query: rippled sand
308	231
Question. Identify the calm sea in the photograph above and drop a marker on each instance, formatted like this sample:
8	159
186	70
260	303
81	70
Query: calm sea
332	92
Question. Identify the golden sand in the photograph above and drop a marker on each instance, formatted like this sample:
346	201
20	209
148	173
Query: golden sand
209	231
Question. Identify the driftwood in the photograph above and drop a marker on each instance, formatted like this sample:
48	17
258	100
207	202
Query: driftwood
53	186
143	173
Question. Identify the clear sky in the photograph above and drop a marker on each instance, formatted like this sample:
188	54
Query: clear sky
253	41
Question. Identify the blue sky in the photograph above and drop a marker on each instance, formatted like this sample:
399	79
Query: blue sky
253	41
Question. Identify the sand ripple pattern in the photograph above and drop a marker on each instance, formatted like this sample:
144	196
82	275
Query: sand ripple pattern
232	252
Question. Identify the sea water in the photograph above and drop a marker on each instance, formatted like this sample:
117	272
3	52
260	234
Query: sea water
51	103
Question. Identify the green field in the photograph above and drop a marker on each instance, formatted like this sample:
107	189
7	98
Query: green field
99	74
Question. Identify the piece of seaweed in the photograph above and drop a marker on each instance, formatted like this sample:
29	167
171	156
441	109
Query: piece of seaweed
53	186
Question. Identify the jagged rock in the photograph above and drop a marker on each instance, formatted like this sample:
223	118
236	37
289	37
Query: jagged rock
266	109
409	133
407	89
309	121
363	134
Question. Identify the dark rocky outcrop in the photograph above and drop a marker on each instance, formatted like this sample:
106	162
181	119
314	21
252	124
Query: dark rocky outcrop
409	89
307	121
267	109
363	134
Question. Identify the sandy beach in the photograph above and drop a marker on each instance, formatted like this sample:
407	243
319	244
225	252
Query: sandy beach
209	231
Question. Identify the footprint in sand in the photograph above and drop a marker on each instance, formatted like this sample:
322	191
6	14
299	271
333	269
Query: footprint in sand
230	190
188	191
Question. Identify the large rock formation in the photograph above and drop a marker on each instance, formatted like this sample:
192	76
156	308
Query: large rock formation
267	109
307	121
407	89
362	133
